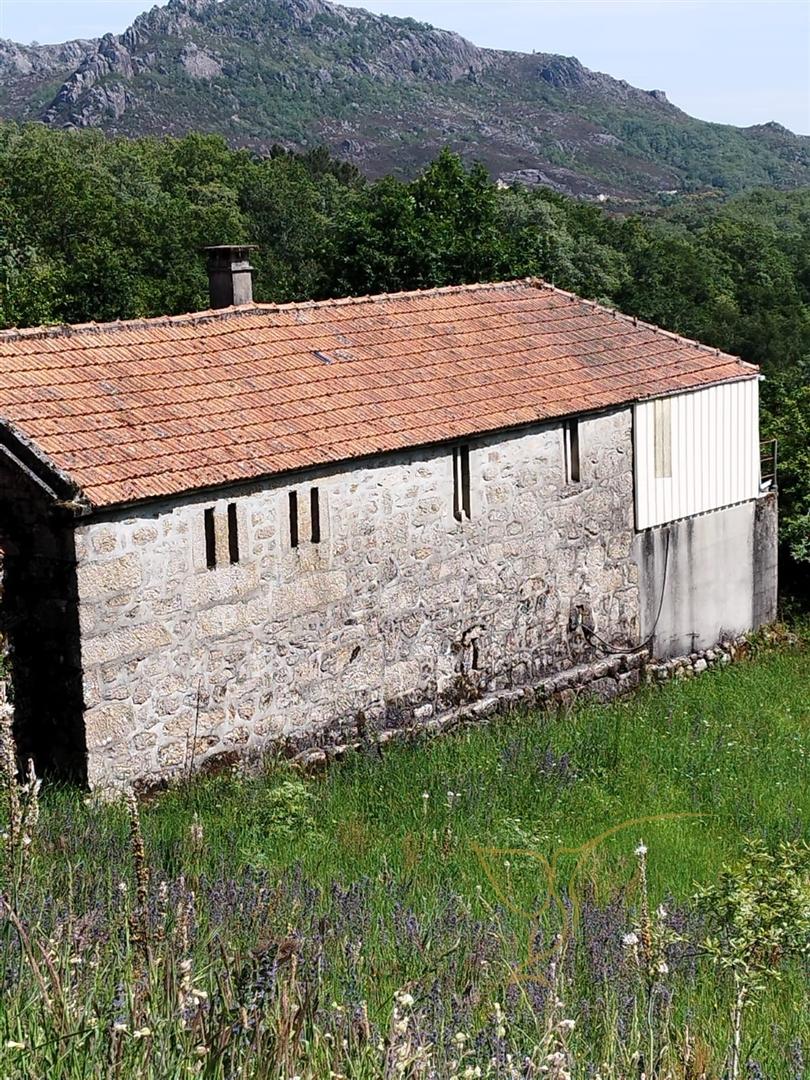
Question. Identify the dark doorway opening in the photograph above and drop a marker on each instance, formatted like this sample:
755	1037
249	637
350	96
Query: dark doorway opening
39	628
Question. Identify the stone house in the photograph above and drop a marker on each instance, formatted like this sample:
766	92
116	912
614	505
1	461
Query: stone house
318	522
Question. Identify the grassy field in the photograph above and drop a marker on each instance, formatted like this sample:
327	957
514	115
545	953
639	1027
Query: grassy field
442	908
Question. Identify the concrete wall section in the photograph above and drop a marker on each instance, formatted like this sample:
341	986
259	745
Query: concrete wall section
707	577
766	559
399	612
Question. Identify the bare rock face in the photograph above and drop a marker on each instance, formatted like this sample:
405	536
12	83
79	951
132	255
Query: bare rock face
442	57
42	60
24	69
14	58
87	103
199	63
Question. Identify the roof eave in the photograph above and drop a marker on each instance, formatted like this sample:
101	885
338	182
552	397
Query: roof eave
482	433
26	456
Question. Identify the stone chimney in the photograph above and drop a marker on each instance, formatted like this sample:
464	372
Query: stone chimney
230	275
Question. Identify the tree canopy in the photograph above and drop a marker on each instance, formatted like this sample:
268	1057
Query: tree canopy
99	229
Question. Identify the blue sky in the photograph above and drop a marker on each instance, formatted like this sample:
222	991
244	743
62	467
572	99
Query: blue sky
728	60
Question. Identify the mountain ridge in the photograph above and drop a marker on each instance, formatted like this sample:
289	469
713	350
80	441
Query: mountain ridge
386	93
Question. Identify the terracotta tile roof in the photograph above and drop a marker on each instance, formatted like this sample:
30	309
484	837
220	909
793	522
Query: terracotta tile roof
138	410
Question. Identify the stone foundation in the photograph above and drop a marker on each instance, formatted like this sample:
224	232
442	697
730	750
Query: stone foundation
603	680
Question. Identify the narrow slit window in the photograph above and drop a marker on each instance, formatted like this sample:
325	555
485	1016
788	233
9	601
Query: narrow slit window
294	519
662	437
571	437
210	538
233	534
461	483
315	515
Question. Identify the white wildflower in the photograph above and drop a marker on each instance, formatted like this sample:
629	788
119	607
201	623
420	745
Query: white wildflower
630	940
498	1019
641	849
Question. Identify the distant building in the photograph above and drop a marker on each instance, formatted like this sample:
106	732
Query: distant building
320	520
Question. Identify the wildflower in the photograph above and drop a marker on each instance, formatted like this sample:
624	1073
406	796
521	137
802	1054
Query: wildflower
641	850
497	1016
8	773
118	1026
630	940
12	1044
459	1038
662	912
404	999
663	968
196	833
567	1025
142	1033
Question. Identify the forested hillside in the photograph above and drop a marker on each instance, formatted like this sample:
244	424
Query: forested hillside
386	94
99	229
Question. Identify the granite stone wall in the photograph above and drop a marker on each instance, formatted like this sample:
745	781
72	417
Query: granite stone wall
400	614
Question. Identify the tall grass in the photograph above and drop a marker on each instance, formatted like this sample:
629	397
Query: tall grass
478	902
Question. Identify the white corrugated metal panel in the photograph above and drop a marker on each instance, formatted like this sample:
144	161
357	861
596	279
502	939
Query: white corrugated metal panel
696	452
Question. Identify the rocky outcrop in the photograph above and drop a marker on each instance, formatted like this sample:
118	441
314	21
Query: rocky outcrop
44	61
199	63
85	99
